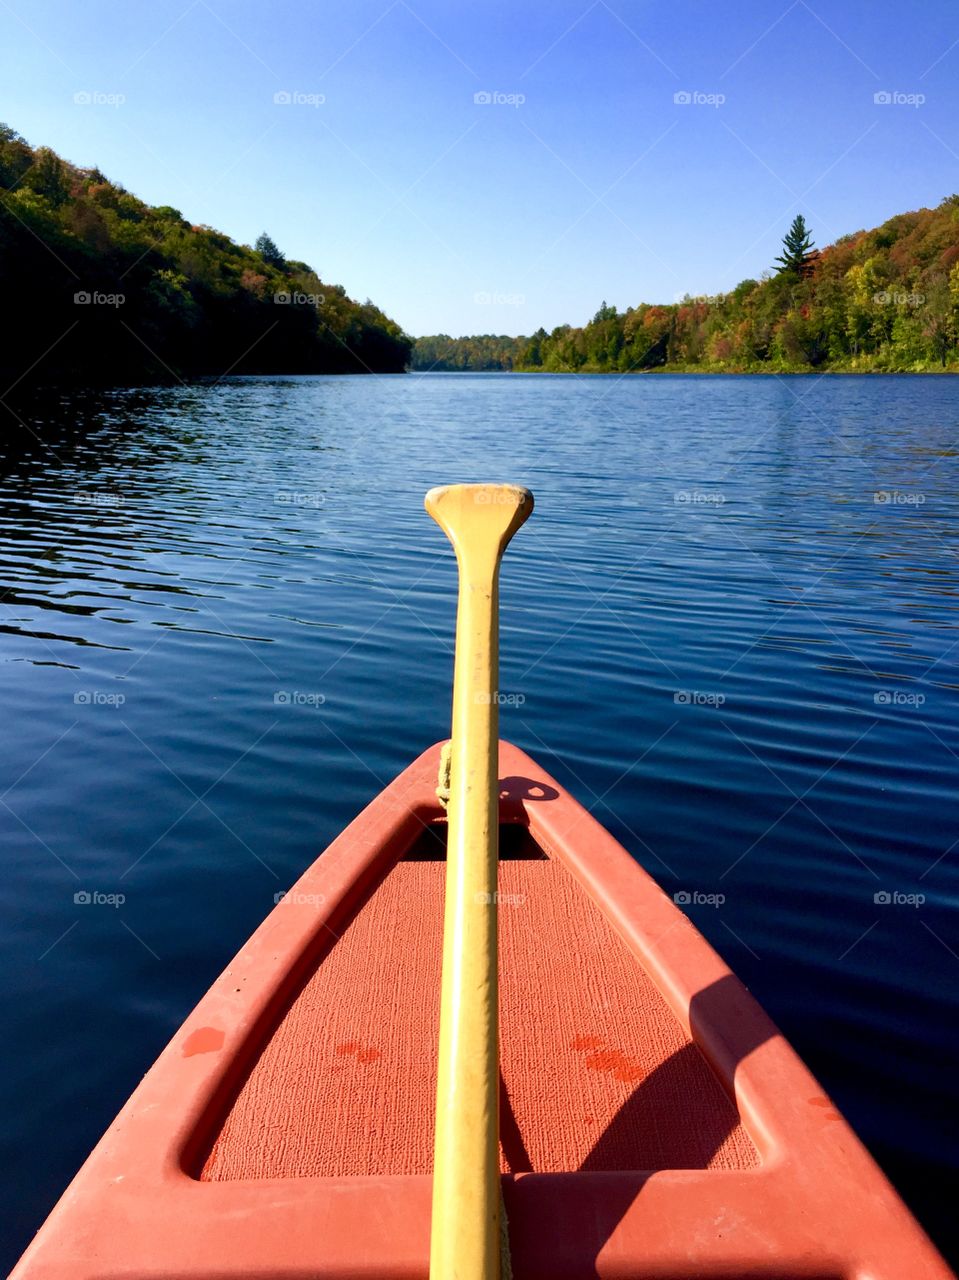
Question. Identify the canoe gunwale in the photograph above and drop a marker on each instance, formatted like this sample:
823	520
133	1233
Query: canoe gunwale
138	1210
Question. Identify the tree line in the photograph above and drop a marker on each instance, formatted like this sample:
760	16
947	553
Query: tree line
99	286
885	300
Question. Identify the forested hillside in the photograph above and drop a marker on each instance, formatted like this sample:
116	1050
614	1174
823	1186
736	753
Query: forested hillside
99	286
880	300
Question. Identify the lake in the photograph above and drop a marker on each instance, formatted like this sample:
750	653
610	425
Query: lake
731	628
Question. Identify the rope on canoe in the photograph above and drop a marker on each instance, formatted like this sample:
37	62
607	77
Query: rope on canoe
443	781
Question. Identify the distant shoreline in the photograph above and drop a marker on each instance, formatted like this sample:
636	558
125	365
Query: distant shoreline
879	301
664	372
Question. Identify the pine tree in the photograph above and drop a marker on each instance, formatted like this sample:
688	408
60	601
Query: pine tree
798	253
268	251
604	313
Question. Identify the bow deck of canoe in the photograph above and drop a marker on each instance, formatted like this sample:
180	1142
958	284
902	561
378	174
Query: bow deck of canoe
653	1121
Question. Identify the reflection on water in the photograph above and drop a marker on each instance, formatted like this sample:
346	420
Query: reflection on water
730	629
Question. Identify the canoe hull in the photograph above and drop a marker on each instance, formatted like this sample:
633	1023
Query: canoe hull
798	1197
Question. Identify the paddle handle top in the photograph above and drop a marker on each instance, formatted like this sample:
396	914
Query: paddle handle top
479	519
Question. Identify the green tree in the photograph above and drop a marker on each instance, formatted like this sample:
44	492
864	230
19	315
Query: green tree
48	177
798	254
193	302
938	325
266	248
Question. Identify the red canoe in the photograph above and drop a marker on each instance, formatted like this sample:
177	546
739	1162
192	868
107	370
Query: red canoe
654	1123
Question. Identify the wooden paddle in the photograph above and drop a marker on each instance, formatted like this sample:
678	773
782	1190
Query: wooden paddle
479	520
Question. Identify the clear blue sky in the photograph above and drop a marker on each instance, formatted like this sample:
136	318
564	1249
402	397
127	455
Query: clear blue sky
598	186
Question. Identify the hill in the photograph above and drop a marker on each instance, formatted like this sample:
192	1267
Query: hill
885	300
100	286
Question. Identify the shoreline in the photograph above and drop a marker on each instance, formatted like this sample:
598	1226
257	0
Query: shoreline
694	371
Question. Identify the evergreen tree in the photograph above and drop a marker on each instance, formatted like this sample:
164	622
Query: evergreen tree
798	253
604	313
266	248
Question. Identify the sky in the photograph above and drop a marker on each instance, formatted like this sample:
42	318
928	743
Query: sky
490	167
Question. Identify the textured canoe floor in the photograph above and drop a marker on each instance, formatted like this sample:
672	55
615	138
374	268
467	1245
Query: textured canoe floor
597	1073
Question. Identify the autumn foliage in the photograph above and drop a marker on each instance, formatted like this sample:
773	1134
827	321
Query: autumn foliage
99	286
880	300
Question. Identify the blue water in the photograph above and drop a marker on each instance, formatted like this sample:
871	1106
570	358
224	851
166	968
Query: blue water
731	628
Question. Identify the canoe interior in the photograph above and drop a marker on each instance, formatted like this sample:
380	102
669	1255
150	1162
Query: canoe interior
285	1133
596	1072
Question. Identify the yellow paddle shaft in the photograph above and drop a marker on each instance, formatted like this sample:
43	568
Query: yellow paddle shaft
465	1239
